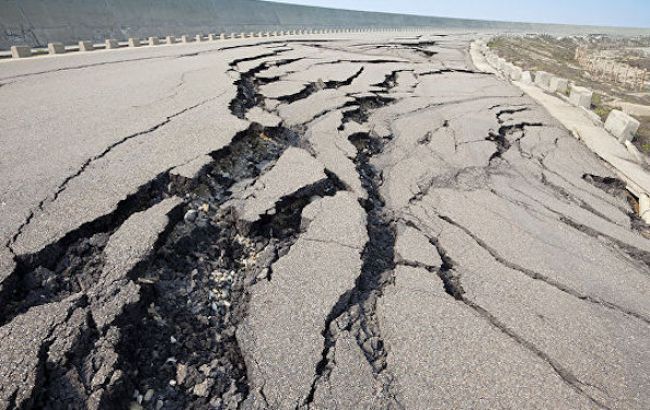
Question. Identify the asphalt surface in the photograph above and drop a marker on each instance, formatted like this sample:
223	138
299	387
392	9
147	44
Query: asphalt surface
325	223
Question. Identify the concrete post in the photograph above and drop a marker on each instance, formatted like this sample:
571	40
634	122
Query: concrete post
515	73
251	34
55	48
559	85
170	39
581	97
621	126
212	37
21	51
222	36
233	35
154	41
543	80
526	78
86	46
242	35
111	44
198	38
185	39
134	42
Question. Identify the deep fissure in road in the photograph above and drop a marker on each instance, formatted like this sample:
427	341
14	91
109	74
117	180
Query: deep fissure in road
201	278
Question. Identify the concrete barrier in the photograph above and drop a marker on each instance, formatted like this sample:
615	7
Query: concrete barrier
515	73
86	46
621	126
222	36
170	39
559	85
55	48
233	35
543	80
581	97
134	42
185	39
153	41
111	44
526	78
21	51
198	38
212	37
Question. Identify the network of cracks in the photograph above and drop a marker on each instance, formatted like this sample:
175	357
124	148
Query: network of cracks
166	332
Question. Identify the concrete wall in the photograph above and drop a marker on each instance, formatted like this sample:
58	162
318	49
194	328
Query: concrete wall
37	22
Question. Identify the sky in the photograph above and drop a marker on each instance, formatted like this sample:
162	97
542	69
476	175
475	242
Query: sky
623	13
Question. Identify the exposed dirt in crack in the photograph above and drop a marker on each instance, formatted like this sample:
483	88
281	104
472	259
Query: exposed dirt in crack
355	311
71	264
617	188
183	347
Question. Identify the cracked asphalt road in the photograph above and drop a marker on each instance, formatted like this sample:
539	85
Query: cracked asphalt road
324	223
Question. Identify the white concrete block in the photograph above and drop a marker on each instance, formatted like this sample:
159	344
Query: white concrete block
170	39
21	51
621	126
515	73
111	44
55	48
185	39
134	42
86	46
233	35
198	38
559	85
222	36
581	97
526	78
153	41
543	80
212	37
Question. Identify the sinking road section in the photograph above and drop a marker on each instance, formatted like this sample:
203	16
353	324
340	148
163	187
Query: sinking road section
359	223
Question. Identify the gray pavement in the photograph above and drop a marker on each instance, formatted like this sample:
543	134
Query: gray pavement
361	221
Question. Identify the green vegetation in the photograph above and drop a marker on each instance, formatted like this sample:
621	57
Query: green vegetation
600	108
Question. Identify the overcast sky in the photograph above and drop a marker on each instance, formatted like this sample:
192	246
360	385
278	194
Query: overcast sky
630	13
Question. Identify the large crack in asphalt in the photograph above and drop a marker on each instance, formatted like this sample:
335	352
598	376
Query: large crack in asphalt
174	346
355	311
200	280
59	189
68	265
314	87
